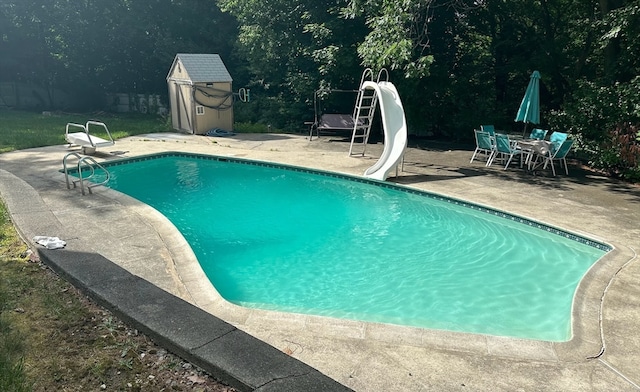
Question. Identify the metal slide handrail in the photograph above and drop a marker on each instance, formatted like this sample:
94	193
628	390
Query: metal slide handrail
358	103
363	113
383	71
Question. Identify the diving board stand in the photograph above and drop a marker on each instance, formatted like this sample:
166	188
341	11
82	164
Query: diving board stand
89	143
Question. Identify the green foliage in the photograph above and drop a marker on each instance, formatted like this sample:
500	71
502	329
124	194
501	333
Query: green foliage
618	42
12	373
293	48
12	347
120	46
606	120
594	110
619	154
457	63
275	111
397	37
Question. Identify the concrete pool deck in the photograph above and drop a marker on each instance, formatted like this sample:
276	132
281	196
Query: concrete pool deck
603	355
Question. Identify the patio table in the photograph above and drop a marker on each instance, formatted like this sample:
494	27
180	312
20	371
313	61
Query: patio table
530	147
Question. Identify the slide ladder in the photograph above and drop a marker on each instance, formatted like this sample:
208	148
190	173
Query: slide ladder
363	112
84	165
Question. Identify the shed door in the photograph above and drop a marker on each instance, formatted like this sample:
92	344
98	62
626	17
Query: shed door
182	108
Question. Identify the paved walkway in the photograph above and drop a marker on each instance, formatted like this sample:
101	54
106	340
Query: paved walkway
603	355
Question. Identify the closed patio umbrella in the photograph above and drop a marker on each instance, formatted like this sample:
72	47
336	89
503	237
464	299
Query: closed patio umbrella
529	111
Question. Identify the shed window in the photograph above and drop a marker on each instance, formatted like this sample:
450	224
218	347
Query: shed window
200	110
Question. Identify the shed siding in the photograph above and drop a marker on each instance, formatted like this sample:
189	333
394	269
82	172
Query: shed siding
214	118
200	80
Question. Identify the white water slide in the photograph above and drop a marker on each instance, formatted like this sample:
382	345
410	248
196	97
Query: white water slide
395	129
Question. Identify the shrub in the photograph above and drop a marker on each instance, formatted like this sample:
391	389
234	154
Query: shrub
619	154
605	122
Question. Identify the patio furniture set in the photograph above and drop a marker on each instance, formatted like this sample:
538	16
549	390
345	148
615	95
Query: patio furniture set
534	151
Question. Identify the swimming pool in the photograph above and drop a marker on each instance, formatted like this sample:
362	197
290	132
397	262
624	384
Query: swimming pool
291	239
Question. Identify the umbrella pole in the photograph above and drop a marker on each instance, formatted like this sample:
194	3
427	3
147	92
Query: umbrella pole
524	131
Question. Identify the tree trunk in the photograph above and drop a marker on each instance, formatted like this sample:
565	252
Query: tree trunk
612	50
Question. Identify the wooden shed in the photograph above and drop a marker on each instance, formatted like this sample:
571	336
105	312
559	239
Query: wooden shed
200	93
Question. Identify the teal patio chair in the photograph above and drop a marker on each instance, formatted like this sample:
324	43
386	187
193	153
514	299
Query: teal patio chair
558	137
484	144
506	148
538	134
488	128
558	153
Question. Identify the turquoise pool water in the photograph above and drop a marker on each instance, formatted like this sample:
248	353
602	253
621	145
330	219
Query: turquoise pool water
299	241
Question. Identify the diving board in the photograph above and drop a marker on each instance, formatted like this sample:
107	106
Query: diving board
84	139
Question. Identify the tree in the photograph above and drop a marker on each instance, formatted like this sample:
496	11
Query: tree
90	47
293	48
603	110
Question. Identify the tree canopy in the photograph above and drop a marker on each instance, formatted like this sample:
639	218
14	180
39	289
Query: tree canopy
89	47
457	63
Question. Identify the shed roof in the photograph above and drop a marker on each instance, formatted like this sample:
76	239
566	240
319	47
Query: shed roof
202	67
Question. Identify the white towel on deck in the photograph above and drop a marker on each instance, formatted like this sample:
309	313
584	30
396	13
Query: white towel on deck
49	242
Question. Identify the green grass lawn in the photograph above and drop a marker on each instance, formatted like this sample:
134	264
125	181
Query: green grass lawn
22	129
52	338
